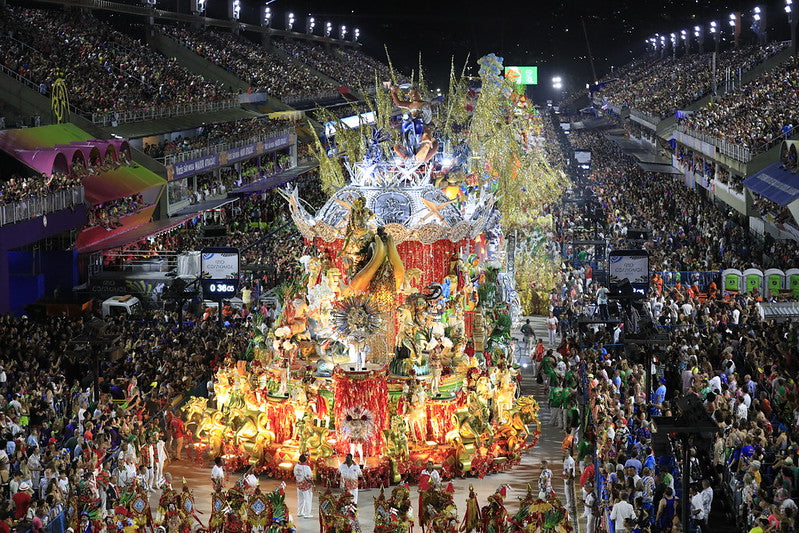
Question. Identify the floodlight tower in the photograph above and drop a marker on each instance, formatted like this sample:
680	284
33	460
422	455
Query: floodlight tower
234	9
735	24
714	31
792	19
289	21
759	25
342	32
328	29
699	37
310	24
356	34
266	17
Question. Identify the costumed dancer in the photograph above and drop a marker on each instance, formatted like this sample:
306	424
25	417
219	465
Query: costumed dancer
304	477
471	518
350	475
285	374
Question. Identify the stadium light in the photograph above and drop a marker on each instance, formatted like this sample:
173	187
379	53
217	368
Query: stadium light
199	6
290	21
732	20
310	24
756	15
788	6
342	32
267	16
683	35
713	27
328	29
355	35
236	9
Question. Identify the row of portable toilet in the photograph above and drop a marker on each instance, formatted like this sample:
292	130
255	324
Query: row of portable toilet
772	282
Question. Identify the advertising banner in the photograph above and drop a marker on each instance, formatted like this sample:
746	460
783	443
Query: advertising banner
193	166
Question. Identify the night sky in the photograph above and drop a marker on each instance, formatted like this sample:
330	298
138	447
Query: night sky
546	33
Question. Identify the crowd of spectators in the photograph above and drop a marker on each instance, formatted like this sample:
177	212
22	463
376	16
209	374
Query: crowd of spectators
740	368
347	69
754	114
108	214
105	70
18	188
259	226
660	87
253	63
64	450
219	133
691	233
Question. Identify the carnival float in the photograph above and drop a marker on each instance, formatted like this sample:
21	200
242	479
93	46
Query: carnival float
395	345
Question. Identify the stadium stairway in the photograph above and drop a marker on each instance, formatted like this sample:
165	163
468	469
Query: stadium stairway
291	59
195	63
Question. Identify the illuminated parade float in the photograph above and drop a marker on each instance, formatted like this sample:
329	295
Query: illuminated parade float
395	345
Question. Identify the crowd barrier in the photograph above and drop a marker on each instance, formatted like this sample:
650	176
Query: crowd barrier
56	521
115	118
221	147
34	207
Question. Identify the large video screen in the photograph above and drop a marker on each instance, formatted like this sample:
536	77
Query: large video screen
522	75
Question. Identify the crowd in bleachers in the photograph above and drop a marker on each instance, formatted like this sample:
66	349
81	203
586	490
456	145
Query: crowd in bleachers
755	114
18	188
740	368
348	69
218	133
108	214
253	63
63	451
105	70
697	236
661	87
259	226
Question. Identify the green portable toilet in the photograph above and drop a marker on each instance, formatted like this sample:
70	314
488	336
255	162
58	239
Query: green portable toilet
731	280
775	281
753	277
792	281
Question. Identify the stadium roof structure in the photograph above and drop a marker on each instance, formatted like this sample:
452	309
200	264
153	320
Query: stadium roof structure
54	148
774	183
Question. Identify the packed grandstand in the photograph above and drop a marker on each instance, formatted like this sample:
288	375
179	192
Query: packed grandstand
343	192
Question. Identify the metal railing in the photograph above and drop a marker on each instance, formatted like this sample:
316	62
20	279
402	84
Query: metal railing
735	151
319	97
34	207
138	260
732	150
113	118
645	117
19	77
220	147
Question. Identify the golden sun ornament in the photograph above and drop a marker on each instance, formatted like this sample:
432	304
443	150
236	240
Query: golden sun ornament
357	317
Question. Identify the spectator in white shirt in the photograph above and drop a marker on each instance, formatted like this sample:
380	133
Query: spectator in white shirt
621	511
